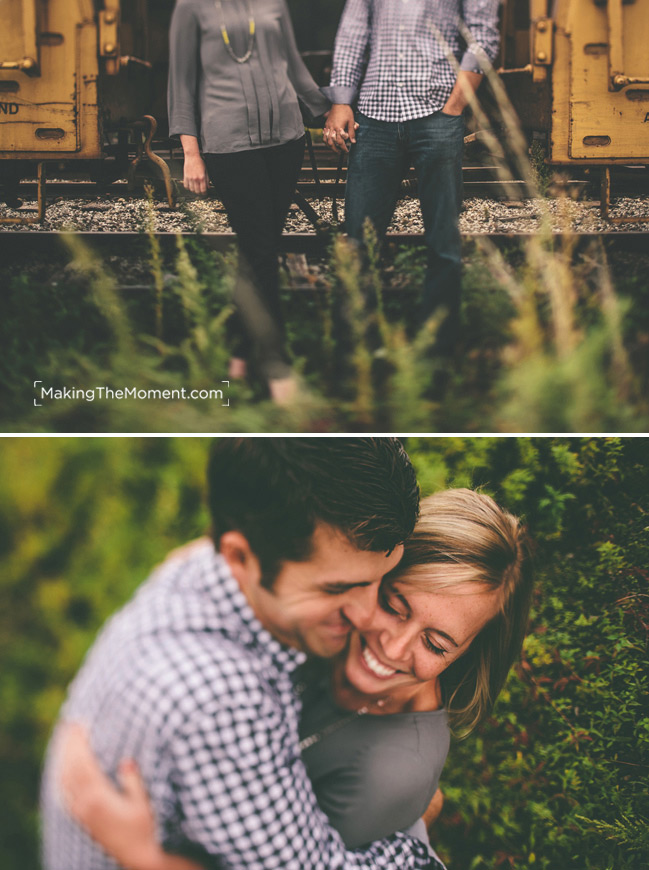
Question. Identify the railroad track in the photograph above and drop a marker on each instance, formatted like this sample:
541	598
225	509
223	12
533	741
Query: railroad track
320	179
17	246
323	180
477	183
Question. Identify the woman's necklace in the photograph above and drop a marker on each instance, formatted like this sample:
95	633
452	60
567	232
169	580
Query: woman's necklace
333	726
329	729
226	38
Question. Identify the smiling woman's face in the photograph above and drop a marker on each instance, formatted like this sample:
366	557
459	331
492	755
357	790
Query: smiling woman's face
414	635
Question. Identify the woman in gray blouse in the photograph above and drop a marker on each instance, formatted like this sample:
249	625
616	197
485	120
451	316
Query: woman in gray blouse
235	78
375	725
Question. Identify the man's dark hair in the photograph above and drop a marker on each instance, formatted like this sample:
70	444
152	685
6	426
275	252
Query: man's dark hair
275	490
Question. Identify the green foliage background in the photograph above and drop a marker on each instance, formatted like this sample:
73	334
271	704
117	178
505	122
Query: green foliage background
557	777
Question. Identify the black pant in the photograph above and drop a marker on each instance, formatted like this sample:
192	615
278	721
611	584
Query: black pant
256	189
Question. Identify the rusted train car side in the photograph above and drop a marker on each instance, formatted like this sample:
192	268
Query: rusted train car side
579	70
71	73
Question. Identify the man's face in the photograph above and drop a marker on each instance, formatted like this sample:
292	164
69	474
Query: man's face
311	603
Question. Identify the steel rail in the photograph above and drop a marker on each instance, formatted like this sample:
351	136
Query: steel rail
20	245
478	182
473	186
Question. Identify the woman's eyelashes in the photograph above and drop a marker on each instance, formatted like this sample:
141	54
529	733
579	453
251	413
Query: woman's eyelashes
396	605
430	645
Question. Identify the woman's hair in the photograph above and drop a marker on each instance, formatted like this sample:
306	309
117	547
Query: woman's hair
464	537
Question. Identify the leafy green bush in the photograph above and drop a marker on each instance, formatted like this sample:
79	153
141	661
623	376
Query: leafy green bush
81	524
557	776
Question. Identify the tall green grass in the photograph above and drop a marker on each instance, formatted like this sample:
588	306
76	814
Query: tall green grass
543	347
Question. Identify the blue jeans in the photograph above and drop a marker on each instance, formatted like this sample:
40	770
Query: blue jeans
382	155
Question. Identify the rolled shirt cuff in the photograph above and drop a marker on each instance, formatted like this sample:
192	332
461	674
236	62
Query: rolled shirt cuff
342	94
471	63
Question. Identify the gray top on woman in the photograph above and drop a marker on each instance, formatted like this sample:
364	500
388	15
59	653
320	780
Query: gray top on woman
234	106
373	775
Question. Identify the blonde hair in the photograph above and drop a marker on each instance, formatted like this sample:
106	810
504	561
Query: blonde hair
463	537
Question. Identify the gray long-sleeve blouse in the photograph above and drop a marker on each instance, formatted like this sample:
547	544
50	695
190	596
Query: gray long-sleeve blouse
232	106
375	775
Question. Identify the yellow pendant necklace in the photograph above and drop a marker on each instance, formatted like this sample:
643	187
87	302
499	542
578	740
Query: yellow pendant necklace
226	38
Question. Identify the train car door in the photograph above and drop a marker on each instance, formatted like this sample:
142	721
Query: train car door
48	78
609	80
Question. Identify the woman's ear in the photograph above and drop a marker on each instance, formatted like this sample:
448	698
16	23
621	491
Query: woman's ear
236	550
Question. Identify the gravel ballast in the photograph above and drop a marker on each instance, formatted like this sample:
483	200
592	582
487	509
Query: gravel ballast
121	214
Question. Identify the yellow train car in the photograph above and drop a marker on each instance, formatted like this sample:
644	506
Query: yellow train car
48	80
71	73
76	78
580	70
600	82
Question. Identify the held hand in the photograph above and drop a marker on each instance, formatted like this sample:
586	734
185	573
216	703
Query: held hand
340	129
122	822
195	174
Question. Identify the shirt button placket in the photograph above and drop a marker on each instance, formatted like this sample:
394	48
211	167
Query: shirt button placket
400	56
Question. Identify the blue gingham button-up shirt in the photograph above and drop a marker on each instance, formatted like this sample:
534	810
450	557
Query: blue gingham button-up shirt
408	73
187	681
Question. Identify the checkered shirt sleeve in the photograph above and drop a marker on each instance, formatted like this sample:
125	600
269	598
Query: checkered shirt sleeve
479	26
186	681
398	59
353	39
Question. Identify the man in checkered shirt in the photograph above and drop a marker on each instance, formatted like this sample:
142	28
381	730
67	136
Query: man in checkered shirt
192	678
401	62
